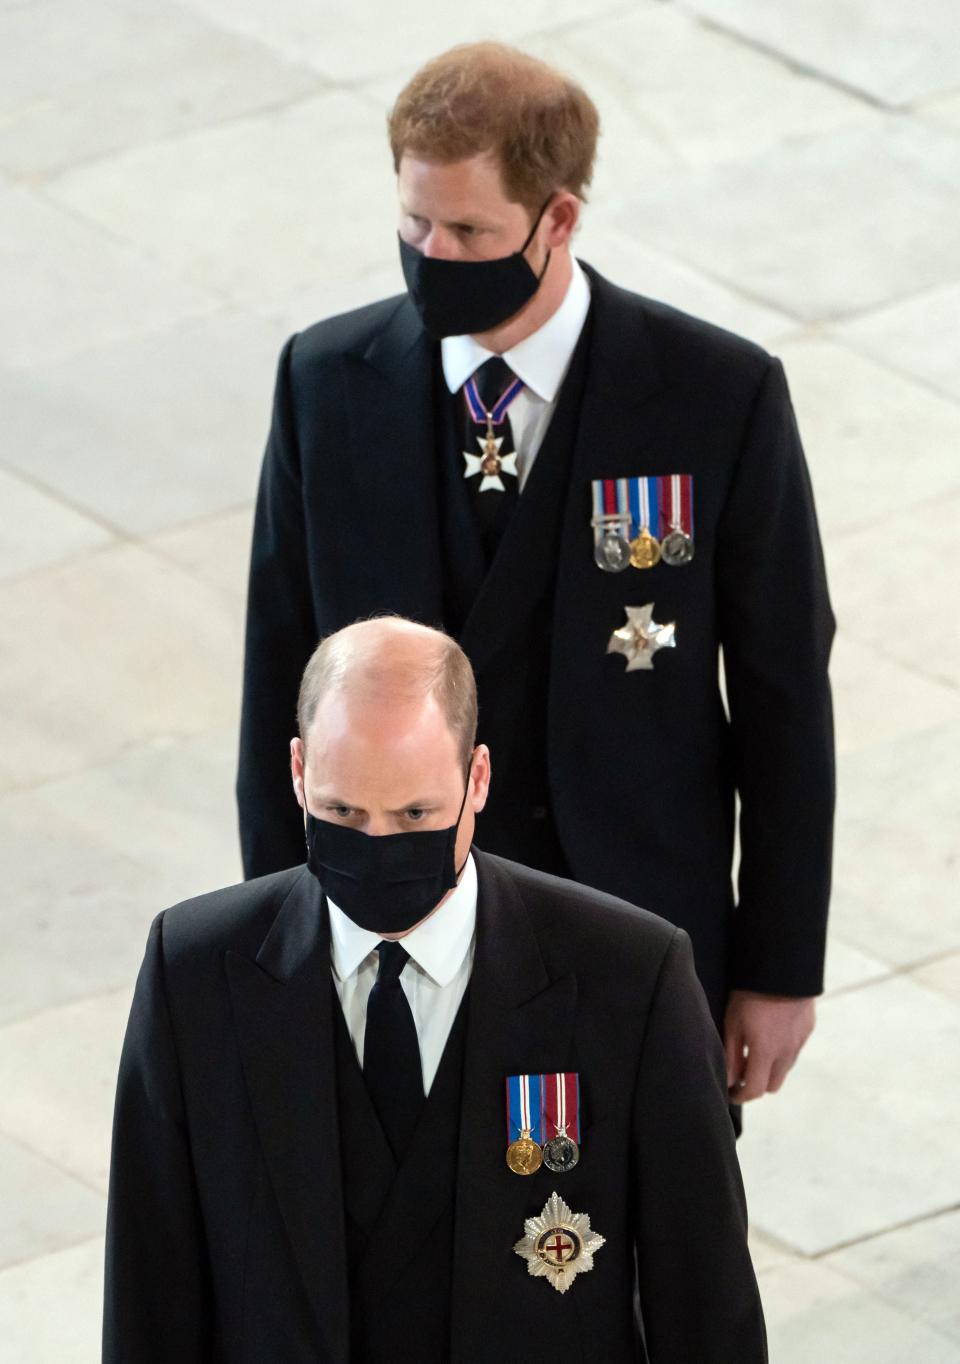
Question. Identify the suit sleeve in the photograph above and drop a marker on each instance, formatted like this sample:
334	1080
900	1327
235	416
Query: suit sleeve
698	1292
157	1295
776	628
281	634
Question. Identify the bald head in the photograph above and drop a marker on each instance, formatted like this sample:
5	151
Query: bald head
390	661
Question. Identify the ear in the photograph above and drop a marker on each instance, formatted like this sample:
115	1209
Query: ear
297	764
562	217
479	781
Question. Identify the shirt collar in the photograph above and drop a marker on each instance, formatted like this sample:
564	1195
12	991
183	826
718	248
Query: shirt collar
438	945
541	360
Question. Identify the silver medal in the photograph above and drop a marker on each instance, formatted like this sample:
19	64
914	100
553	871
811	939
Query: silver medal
676	548
611	552
561	1154
611	544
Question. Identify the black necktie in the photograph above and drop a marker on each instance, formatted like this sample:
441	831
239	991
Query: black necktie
391	1052
494	505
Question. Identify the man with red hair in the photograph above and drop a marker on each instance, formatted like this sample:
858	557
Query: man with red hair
596	495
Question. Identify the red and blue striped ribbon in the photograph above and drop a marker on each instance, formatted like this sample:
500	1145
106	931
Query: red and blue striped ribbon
499	410
645	503
524	1107
668	499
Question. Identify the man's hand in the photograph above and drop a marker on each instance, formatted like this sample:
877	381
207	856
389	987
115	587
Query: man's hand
763	1035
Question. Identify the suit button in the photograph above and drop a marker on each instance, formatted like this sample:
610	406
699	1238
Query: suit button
538	812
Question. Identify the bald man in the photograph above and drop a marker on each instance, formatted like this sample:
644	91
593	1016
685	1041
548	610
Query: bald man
409	1102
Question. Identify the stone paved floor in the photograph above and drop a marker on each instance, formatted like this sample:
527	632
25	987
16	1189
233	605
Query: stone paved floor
183	184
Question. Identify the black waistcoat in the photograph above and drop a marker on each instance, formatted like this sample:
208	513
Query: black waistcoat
399	1221
513	688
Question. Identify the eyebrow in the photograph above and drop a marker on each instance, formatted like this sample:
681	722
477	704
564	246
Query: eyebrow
427	802
450	222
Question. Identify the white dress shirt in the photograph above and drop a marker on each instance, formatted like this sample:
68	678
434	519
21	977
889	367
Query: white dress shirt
434	979
541	361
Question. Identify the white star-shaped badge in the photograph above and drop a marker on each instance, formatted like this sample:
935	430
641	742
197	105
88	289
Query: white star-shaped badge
559	1244
506	464
641	637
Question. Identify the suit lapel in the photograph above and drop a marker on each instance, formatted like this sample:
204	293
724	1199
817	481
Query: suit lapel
389	479
622	413
631	413
520	1021
282	1010
463	554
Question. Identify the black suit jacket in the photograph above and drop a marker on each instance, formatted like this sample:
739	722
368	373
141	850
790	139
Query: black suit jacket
226	1223
643	766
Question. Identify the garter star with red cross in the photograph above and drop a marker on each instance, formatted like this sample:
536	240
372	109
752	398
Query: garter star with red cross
559	1244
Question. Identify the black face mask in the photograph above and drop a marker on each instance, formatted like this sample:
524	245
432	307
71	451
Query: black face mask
465	297
385	883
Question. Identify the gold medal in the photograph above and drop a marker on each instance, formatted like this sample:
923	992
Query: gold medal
524	1156
644	550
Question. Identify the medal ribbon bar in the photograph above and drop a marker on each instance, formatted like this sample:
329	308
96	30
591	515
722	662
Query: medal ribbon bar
658	503
645	504
641	521
562	1105
611	505
524	1107
499	410
676	504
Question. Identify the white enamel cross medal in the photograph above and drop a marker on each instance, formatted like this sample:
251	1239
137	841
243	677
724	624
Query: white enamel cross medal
490	463
641	638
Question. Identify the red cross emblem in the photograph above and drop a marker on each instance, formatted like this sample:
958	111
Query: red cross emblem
558	1247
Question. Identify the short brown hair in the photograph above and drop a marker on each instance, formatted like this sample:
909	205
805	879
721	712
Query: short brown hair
487	97
381	660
